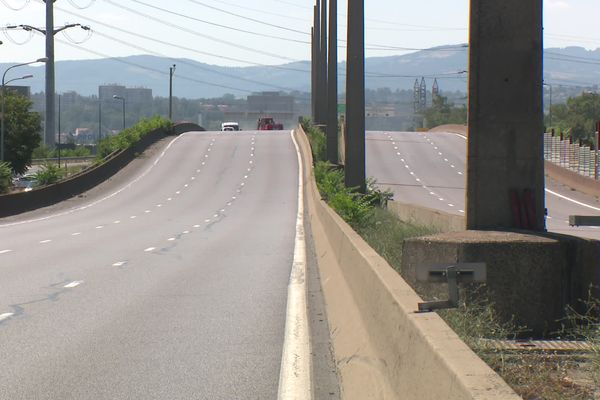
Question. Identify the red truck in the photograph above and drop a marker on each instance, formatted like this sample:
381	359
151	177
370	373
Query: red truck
268	124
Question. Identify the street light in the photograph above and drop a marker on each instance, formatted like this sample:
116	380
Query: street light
4	83
550	107
171	72
123	100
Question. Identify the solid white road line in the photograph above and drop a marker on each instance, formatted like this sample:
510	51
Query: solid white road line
73	284
572	200
294	375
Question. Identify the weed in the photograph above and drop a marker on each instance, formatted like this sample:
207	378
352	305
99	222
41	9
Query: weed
5	175
49	174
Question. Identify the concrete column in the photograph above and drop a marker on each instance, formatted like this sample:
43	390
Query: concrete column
332	90
355	168
505	170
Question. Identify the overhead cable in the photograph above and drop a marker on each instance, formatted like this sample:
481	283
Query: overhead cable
178	46
192	32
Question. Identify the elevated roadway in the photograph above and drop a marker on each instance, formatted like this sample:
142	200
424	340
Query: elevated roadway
167	282
428	169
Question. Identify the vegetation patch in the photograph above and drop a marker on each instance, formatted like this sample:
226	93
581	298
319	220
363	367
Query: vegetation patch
5	177
132	135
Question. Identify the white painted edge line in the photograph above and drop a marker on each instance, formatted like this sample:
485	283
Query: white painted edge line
295	372
6	316
73	284
130	184
572	200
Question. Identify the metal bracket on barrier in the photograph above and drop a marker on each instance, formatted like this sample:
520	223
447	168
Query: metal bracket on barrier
453	274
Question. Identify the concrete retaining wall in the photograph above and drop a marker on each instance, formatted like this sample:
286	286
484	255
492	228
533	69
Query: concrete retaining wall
383	348
572	179
16	203
423	216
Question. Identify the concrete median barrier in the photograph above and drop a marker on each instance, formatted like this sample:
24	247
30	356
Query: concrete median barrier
383	348
17	203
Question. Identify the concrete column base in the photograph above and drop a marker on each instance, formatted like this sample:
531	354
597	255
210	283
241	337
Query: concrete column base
530	277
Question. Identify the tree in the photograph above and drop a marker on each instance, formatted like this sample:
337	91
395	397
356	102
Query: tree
21	132
442	112
578	117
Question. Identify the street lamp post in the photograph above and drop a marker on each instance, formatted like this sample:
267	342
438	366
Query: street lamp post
4	83
550	106
171	72
123	101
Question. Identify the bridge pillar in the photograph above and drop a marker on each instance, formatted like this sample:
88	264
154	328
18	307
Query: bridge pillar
505	170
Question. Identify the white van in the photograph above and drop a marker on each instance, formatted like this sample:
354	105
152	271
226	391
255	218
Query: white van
230	126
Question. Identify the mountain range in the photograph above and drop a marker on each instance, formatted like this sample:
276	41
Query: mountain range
448	64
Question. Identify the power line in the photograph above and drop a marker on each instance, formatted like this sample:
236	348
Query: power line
219	25
178	46
158	71
193	65
7	4
247	18
183	29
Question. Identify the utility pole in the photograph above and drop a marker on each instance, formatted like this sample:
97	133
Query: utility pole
49	127
355	168
323	65
313	69
318	76
49	32
171	72
332	90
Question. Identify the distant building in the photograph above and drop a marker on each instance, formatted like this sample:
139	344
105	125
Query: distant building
271	103
84	136
24	91
138	96
106	92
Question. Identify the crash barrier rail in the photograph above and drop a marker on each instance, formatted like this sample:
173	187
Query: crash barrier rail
572	156
70	160
16	203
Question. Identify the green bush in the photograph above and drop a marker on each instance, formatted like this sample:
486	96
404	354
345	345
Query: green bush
49	174
5	175
351	205
132	135
318	142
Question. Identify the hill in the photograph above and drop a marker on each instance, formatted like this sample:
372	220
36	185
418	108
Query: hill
571	66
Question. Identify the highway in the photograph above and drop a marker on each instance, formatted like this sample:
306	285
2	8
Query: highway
428	169
168	283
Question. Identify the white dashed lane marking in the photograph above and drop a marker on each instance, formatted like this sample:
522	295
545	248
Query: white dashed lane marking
45	241
75	233
119	264
149	249
5	251
73	284
5	316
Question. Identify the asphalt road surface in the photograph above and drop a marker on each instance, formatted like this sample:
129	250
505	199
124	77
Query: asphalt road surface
428	168
170	285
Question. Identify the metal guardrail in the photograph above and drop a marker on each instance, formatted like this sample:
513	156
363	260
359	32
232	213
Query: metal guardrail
40	161
580	159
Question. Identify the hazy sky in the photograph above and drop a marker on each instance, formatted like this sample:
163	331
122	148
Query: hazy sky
267	31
